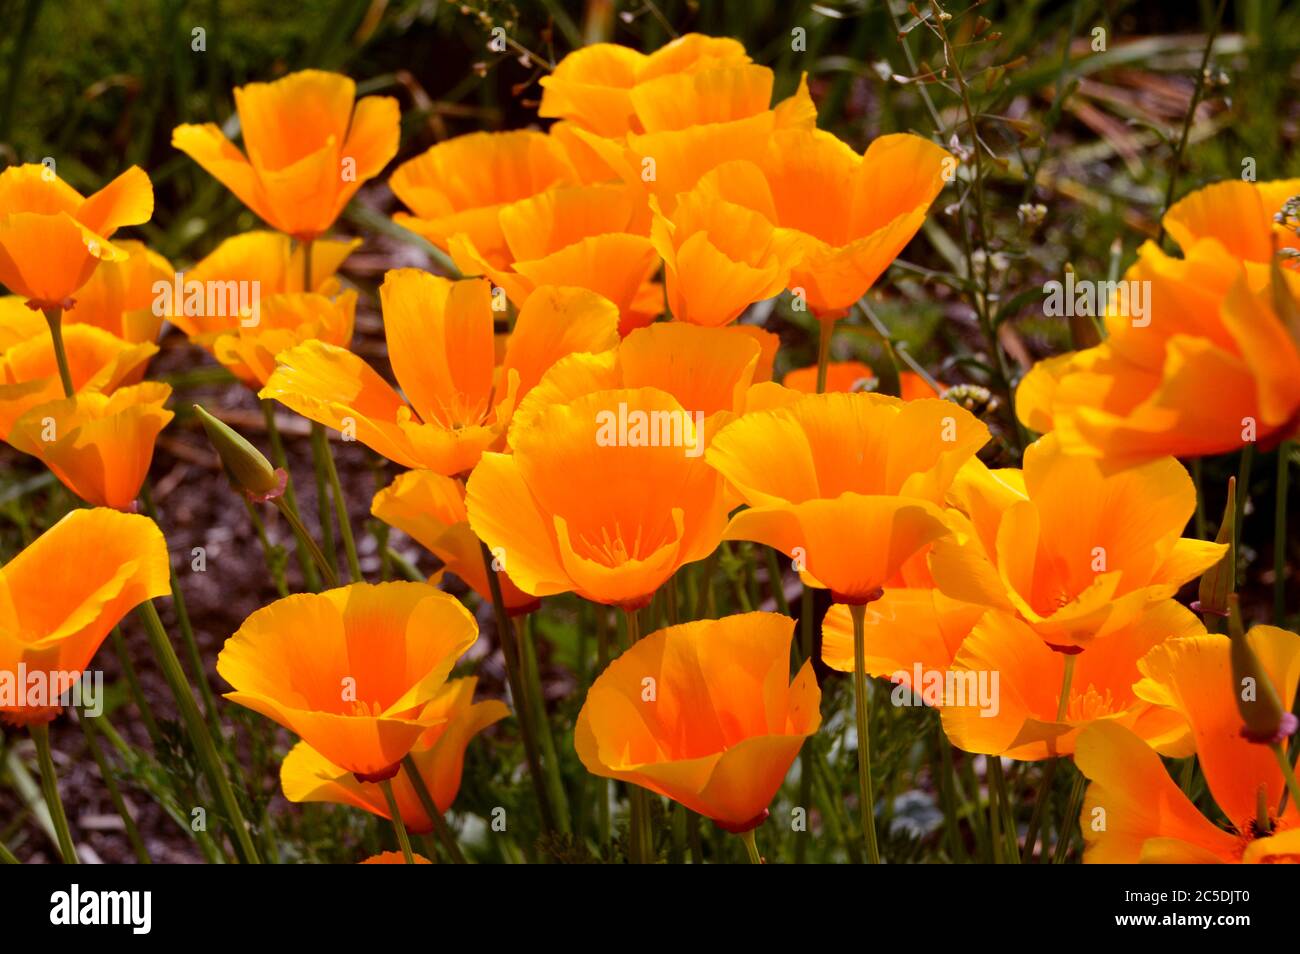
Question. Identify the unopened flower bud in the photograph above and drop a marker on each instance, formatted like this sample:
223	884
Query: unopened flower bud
245	465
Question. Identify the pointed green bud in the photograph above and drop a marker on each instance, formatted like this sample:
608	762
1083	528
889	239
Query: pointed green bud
1219	581
1265	721
245	465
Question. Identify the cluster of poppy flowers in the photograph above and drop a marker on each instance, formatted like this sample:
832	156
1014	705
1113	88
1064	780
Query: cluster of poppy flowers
609	260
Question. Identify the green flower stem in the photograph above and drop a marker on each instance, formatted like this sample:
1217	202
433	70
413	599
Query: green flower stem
805	751
825	329
1279	532
137	693
865	801
550	756
777	582
1070	821
274	564
319	451
602	784
640	835
305	542
1035	819
7	857
206	749
751	846
40	732
187	630
1288	773
54	318
1000	805
440	826
114	793
340	502
402	838
278	457
510	652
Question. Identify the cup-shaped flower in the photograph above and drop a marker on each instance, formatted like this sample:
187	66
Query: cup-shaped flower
441	344
1082	551
1014	713
705	714
1147	816
310	145
721	256
584	236
98	361
1220	320
849	485
98	445
285	321
439	754
430	508
355	671
460	185
52	237
60	597
708	370
592	86
606	496
868	207
230	291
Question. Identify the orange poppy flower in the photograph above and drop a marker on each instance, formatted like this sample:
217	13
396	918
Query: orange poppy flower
593	236
868	207
719	256
708	370
395	858
605	496
1214	322
1021	720
355	671
430	508
61	595
461	184
225	290
1134	812
52	237
97	360
285	321
442	348
1082	551
120	294
439	753
849	485
310	142
98	445
592	86
705	714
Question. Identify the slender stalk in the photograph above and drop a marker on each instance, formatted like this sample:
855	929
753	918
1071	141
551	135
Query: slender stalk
273	562
7	857
1044	795
751	846
866	803
510	652
309	575
1243	494
114	792
54	318
183	622
825	329
40	732
948	795
1067	677
1288	773
402	838
777	582
340	509
1070	821
1279	532
440	826
323	507
805	751
640	836
197	729
550	756
1191	115
603	785
1001	807
137	693
305	542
